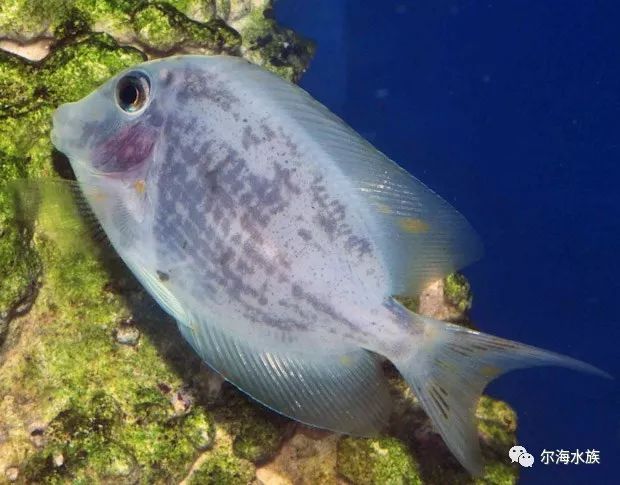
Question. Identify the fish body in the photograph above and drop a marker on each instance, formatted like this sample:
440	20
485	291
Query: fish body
276	237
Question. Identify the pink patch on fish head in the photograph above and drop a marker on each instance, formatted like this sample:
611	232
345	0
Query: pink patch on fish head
126	150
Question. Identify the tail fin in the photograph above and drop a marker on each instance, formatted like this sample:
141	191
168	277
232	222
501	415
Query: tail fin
451	366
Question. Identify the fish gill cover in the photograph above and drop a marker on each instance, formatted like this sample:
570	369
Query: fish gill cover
95	383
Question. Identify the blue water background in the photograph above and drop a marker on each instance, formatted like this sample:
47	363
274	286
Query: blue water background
511	111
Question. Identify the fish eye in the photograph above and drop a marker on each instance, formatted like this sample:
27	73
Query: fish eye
132	92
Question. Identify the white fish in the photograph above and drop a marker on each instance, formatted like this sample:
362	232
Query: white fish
276	237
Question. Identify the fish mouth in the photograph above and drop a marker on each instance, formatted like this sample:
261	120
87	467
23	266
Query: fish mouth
61	127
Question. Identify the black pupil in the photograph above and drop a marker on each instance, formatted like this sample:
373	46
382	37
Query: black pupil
129	94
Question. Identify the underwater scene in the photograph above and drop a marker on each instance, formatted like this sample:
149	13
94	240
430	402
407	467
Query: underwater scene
296	242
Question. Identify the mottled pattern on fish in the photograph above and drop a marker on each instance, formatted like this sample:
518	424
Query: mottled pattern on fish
247	225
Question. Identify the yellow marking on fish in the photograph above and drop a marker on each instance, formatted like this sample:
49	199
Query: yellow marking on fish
140	186
416	226
346	360
490	371
430	332
99	195
384	208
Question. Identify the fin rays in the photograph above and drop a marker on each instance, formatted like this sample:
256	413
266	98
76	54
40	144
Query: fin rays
451	366
320	391
420	235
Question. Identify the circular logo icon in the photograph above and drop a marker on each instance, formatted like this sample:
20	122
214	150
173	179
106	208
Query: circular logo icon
526	459
515	452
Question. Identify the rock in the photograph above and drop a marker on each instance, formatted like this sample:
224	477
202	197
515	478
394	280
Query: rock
181	401
457	292
127	335
76	406
222	467
11	473
308	457
32	28
255	432
377	461
58	459
207	383
37	436
448	299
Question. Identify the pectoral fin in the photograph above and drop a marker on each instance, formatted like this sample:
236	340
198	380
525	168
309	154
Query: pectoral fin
59	209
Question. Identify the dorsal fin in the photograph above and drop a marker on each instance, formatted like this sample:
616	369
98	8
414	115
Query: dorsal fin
422	238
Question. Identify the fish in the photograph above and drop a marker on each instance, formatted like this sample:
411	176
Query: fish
278	238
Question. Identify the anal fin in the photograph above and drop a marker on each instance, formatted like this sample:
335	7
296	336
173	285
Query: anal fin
345	393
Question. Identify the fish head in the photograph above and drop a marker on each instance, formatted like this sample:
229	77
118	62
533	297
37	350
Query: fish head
150	128
111	138
114	131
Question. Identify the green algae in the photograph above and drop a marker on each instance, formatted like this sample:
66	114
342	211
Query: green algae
16	90
19	262
18	276
130	428
498	473
28	95
165	27
255	432
161	28
410	302
222	467
274	47
497	423
258	439
385	461
23	19
457	291
98	441
71	73
19	265
28	19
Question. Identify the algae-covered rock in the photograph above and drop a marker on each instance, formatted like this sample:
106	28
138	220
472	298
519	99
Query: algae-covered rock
237	27
377	460
96	385
162	28
309	456
448	299
457	291
256	432
221	467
